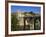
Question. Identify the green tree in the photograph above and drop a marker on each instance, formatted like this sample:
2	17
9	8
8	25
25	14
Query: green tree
31	13
14	22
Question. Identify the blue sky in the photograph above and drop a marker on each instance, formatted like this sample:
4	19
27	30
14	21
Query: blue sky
26	9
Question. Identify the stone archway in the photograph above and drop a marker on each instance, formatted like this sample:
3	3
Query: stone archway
28	23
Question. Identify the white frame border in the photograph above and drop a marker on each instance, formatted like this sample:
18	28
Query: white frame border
23	32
